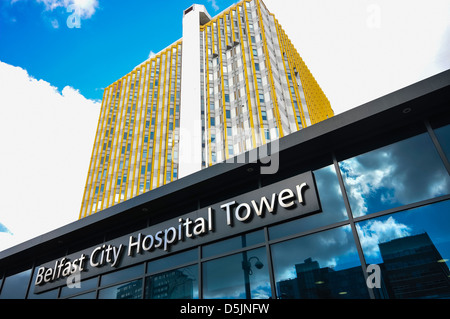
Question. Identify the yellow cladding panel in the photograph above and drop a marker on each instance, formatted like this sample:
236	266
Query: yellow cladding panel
117	154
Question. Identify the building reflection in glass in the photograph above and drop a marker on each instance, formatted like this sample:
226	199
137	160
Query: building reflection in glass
313	282
319	266
413	268
131	290
175	284
412	249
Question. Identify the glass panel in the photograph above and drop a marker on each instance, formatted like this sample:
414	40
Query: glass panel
180	283
172	261
52	294
130	290
240	276
85	285
123	275
15	286
89	295
443	135
320	266
412	249
333	207
401	173
234	243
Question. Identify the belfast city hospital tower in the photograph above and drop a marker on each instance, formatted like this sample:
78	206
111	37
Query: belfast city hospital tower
232	83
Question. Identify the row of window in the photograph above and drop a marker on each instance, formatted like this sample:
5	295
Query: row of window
103	190
223	144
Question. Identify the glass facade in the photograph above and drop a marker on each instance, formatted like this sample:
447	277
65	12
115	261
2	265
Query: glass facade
401	173
322	265
412	248
388	207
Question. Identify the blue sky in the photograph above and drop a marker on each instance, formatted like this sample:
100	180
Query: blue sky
52	78
118	36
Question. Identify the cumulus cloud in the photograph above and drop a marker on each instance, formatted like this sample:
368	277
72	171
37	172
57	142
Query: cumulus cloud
45	147
334	248
375	232
397	174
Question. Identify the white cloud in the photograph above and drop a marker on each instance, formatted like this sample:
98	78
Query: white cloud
376	232
390	176
214	4
46	142
85	8
361	50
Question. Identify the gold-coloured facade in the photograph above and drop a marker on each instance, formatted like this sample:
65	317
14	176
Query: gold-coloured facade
135	147
255	88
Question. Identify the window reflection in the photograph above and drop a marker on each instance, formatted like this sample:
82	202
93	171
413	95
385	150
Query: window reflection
443	135
122	275
15	286
401	173
89	295
84	285
413	251
320	266
234	243
240	276
180	283
333	207
172	261
130	290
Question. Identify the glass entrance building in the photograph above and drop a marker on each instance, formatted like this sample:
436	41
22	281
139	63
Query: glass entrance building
359	208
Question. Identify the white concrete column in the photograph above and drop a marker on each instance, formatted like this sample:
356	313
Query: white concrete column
190	155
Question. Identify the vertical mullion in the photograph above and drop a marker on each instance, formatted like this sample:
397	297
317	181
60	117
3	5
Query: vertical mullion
168	117
270	265
119	141
352	223
175	101
146	146
158	183
224	107
255	83
208	102
155	167
144	107
247	85
128	180
149	174
438	146
137	135
126	129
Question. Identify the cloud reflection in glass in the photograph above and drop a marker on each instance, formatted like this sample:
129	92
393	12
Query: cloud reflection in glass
398	174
